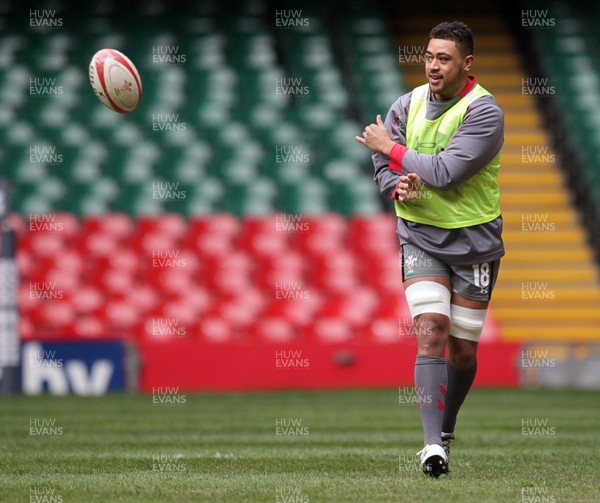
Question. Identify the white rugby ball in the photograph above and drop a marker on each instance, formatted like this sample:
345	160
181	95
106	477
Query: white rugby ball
115	80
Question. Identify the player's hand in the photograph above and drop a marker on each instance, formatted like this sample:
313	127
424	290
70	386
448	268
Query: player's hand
408	188
377	138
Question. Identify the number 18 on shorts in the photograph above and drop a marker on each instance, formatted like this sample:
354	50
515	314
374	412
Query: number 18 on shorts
474	282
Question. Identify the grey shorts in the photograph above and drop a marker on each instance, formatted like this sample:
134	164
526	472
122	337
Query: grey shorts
474	282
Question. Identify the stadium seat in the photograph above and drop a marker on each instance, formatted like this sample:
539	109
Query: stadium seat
277	330
331	329
215	329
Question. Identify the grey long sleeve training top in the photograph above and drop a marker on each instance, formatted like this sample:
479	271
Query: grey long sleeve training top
472	146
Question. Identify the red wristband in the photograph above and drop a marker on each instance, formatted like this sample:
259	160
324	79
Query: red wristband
396	155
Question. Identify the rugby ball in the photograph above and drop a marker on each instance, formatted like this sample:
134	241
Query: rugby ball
115	80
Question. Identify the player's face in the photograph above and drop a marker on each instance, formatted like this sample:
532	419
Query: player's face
446	68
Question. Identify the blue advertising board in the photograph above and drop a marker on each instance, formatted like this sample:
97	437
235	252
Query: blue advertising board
82	368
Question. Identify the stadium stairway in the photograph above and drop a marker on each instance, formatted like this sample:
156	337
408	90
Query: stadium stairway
548	288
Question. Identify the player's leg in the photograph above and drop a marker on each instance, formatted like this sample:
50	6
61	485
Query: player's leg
432	294
462	367
431	332
470	299
428	294
462	354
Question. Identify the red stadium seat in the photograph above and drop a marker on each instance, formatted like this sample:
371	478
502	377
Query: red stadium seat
156	244
240	315
25	262
121	316
64	282
392	305
26	302
99	245
229	272
243	309
90	326
332	330
173	225
46	245
261	237
198	298
335	272
54	318
374	238
171	281
64	224
116	283
382	271
145	298
215	329
88	300
184	313
116	225
69	261
223	224
26	329
356	307
274	329
287	267
385	330
210	245
301	311
382	224
313	243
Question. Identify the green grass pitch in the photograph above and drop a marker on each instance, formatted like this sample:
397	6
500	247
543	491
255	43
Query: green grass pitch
346	446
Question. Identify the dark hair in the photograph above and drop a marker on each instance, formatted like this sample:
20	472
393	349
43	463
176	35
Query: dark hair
456	31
